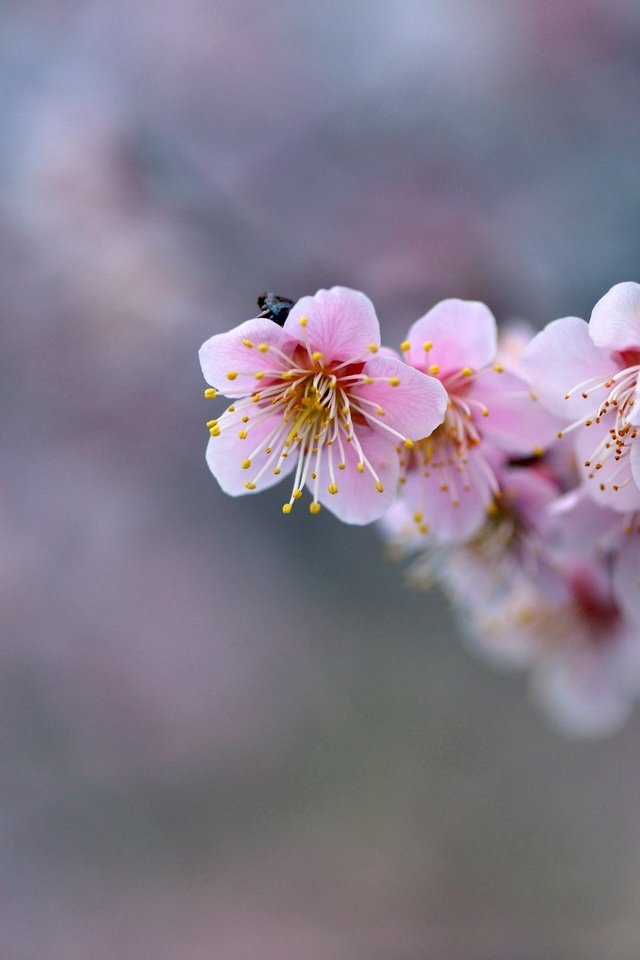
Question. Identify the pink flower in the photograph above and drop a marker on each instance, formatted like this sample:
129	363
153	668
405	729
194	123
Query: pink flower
589	375
317	399
491	414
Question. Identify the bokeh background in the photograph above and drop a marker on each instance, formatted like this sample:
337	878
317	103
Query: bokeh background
225	734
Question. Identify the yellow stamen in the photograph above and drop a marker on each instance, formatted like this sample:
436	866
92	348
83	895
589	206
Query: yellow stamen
538	451
249	485
379	487
409	444
210	393
287	507
314	507
405	345
246	464
466	372
232	375
434	369
260	375
303	321
263	347
373	348
332	488
360	467
316	356
212	423
242	435
248	343
394	381
498	368
428	345
297	493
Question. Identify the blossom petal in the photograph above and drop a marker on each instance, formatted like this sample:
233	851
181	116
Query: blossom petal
634	459
228	353
582	694
615	321
578	527
517	422
453	335
415	407
561	357
529	492
226	453
626	575
358	501
340	323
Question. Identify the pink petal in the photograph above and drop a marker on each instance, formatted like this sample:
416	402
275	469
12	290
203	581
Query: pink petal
357	500
588	440
226	353
626	575
463	334
517	422
559	358
226	453
456	514
414	408
340	323
615	321
577	525
634	460
581	693
530	493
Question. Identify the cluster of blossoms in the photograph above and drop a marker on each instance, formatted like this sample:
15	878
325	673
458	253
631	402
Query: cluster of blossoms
507	469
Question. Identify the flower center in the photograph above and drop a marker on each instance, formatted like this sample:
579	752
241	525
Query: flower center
312	413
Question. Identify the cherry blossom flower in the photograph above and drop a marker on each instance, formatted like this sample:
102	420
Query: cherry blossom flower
318	398
588	373
450	480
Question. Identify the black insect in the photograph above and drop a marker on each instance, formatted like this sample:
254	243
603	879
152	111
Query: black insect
273	307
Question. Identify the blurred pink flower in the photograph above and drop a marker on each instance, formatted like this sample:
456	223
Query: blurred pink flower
588	373
584	652
491	414
316	401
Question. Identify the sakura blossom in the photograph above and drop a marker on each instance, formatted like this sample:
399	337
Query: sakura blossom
588	374
319	399
449	477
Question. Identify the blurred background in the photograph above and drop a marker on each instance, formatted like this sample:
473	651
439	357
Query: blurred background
225	734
